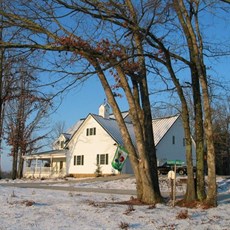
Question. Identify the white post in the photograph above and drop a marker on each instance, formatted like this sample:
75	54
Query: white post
51	164
36	166
174	186
172	179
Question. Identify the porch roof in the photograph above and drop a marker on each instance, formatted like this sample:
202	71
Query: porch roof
47	155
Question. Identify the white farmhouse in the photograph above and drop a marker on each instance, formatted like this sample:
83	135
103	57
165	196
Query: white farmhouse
89	147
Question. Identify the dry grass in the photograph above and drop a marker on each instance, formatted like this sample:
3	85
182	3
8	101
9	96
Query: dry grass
22	202
123	225
183	214
193	204
152	206
94	204
129	209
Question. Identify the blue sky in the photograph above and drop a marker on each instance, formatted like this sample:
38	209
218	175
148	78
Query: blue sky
81	101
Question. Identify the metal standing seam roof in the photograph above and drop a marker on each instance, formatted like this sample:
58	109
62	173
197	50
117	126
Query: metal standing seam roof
111	126
75	127
124	115
161	127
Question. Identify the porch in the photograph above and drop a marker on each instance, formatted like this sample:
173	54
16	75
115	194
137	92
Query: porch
51	164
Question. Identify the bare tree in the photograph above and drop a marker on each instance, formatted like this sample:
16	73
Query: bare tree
24	110
195	46
58	128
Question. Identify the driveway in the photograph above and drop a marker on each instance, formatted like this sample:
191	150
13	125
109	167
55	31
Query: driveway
70	184
73	183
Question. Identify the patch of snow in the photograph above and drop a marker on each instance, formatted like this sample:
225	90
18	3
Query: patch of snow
37	209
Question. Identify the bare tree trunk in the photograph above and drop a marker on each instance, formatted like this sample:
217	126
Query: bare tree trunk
21	163
148	162
212	188
21	125
141	159
195	44
14	154
208	128
199	136
1	89
185	21
190	194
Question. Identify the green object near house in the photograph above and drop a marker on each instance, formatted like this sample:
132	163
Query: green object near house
175	162
119	158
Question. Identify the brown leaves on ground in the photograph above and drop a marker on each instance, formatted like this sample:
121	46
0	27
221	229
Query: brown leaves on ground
193	204
124	225
129	209
183	214
23	202
132	201
28	202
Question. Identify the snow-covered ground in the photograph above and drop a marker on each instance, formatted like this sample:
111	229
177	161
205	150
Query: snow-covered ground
26	208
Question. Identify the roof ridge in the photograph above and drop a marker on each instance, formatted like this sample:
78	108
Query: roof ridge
170	116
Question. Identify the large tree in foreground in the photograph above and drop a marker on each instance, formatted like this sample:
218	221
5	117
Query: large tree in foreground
194	39
127	72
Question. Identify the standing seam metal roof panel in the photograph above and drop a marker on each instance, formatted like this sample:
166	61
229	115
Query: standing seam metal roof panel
111	127
161	127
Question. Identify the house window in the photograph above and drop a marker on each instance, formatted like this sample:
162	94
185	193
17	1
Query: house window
62	144
103	159
184	142
80	160
173	140
90	131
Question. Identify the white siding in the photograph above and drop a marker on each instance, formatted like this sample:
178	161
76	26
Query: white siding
166	150
103	143
90	146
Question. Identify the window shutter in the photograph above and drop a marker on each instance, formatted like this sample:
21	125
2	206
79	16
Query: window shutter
98	159
74	160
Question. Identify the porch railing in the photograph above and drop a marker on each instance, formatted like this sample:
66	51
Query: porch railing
44	172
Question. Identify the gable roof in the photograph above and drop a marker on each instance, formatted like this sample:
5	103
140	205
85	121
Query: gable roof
75	127
161	126
124	114
112	128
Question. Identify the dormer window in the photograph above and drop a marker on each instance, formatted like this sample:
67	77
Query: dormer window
90	131
62	144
